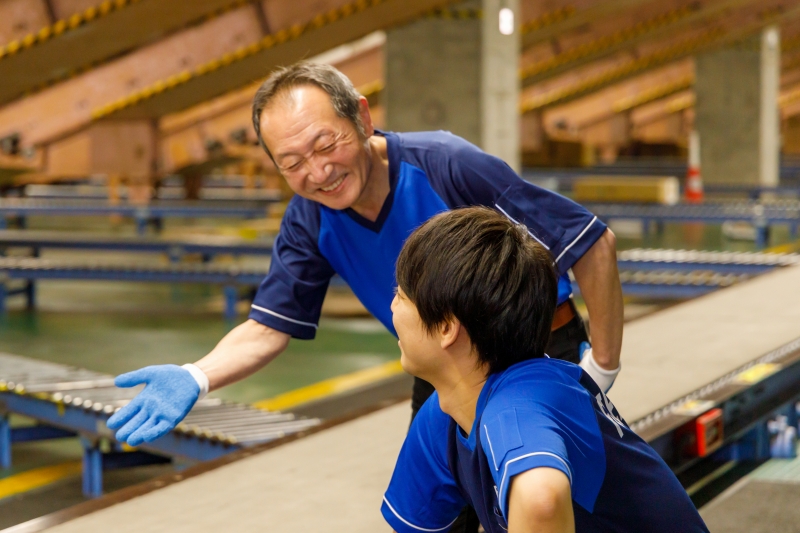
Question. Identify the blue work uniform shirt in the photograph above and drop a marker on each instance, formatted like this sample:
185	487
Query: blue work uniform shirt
538	413
429	172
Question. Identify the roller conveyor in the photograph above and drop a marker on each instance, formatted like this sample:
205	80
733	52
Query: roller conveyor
207	245
650	273
79	401
142	214
761	214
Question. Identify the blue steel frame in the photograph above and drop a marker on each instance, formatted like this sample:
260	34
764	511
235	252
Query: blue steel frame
66	420
762	216
231	279
154	212
175	249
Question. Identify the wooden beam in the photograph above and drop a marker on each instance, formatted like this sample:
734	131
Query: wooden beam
61	110
664	24
58	51
250	63
568	19
710	39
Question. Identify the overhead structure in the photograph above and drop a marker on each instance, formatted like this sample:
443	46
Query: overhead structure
98	33
249	63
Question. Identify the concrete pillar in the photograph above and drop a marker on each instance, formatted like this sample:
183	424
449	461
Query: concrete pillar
458	74
737	111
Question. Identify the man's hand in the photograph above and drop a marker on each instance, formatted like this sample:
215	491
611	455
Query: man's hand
169	394
540	501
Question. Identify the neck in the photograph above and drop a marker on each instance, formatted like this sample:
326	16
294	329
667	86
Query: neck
458	396
377	188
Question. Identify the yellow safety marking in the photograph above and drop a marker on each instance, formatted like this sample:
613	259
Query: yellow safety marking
758	372
787	248
548	19
670	53
269	41
608	41
694	407
38	477
330	387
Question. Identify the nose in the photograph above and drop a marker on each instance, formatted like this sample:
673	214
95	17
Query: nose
319	170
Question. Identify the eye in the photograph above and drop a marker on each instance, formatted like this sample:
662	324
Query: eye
327	148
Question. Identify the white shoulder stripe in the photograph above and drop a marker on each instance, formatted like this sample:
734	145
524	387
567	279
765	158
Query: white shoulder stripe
491	449
409	524
509	217
576	240
505	471
286	318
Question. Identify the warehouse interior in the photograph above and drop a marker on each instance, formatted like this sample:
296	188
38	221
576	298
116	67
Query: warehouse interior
139	209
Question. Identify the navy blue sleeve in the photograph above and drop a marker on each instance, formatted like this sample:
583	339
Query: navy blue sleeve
464	175
290	297
422	495
559	432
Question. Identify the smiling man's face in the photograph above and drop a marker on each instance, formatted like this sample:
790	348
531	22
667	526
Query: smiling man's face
321	155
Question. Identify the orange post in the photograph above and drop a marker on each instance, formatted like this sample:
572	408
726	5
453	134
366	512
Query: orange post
694	181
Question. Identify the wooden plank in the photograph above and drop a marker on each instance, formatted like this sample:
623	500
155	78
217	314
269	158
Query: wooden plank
250	63
58	111
627	189
91	34
622	70
664	24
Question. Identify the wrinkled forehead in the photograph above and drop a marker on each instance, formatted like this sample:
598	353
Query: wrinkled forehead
299	115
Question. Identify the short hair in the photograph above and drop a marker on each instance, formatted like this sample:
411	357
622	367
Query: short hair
344	97
476	265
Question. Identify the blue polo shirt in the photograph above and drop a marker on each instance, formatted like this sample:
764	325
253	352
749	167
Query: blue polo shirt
538	413
429	172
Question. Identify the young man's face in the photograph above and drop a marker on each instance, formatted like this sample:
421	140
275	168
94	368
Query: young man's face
418	348
321	155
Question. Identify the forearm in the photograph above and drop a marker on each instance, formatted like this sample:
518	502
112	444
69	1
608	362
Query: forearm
243	351
598	278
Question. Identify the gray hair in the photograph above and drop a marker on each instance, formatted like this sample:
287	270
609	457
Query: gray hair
344	97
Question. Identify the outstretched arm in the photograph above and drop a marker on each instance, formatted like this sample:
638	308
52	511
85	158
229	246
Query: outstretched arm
540	501
171	391
598	278
244	350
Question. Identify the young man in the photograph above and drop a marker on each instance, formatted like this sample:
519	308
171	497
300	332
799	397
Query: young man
530	442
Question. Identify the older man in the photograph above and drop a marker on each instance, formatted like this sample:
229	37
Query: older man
360	194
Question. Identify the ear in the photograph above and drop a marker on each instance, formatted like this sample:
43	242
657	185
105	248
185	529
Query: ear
449	332
366	117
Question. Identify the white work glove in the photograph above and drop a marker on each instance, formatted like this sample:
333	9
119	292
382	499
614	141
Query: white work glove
604	378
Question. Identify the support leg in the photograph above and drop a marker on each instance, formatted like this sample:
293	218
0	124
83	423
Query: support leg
92	469
30	294
5	442
231	297
141	225
3	295
762	236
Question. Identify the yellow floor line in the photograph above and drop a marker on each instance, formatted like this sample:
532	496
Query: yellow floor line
38	477
329	387
787	248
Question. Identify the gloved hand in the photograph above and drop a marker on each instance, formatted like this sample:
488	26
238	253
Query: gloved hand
604	378
169	394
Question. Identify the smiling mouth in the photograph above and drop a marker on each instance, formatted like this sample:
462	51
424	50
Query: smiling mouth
333	185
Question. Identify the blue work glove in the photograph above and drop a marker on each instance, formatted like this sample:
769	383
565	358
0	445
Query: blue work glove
604	378
169	394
